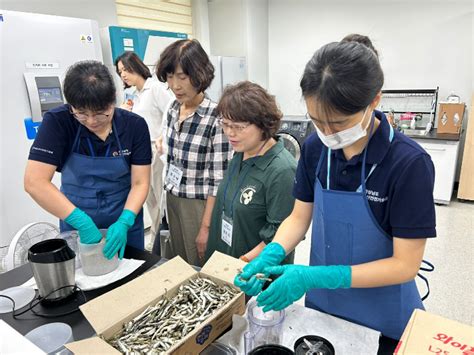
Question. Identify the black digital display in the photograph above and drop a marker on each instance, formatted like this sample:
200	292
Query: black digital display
50	95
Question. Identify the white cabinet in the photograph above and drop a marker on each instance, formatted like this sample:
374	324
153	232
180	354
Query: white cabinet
444	155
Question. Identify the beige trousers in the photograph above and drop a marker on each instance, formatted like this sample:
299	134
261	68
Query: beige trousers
184	219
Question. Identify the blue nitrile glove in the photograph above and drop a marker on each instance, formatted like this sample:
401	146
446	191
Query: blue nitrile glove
295	280
116	237
273	254
88	231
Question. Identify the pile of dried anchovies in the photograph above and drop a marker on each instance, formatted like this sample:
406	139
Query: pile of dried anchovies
160	326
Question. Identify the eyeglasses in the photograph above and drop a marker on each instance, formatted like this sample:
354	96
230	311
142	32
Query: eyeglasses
82	117
238	128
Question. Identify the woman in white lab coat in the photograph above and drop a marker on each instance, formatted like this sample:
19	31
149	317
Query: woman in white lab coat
146	96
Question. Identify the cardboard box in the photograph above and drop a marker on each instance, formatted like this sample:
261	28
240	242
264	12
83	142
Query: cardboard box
110	311
450	117
427	333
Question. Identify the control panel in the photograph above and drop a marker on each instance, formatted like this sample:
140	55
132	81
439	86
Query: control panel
44	93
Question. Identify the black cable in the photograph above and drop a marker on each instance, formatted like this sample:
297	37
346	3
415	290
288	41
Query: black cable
39	299
75	288
430	267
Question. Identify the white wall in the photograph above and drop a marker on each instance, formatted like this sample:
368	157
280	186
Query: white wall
256	20
239	28
227	28
200	13
422	44
103	11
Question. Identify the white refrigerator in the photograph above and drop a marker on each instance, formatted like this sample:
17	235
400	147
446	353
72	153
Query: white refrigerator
228	70
36	50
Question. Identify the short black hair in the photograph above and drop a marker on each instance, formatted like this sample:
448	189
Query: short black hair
192	58
355	37
344	78
88	85
249	102
133	64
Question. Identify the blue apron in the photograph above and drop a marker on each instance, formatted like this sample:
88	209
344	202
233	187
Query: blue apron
99	186
345	232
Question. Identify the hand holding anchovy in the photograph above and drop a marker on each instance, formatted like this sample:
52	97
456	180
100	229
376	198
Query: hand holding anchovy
272	255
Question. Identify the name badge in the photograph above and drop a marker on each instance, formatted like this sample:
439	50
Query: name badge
174	176
226	230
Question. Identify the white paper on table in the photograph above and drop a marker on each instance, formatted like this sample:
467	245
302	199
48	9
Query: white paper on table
12	342
87	283
346	337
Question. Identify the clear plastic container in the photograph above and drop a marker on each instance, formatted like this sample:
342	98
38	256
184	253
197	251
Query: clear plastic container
72	239
51	338
264	327
93	261
21	295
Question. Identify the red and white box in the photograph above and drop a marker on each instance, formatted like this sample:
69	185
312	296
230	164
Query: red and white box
428	333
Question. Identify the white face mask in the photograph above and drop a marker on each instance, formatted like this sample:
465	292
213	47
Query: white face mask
344	138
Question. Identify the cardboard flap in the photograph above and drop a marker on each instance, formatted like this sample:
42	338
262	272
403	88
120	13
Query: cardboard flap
425	330
93	345
113	307
223	266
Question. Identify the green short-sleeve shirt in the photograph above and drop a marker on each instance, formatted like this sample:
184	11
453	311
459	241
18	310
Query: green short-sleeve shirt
256	195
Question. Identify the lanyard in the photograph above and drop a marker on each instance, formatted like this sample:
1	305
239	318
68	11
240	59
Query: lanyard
241	180
92	149
75	144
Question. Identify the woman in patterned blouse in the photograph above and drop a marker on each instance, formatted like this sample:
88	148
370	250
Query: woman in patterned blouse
198	151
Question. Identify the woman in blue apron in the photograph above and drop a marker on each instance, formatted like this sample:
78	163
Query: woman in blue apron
368	192
104	157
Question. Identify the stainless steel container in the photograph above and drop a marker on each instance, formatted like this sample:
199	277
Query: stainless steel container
52	262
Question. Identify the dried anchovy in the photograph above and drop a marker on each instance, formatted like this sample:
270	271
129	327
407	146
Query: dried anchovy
159	327
262	277
259	276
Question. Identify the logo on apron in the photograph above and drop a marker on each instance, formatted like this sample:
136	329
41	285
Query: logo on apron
125	152
374	196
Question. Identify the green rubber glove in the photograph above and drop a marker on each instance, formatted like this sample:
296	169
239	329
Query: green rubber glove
273	254
88	231
116	238
295	280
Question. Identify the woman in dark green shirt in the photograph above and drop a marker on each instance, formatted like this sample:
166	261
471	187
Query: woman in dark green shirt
255	195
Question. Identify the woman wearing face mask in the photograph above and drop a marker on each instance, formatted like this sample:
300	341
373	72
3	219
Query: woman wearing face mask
253	199
148	98
368	191
198	151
